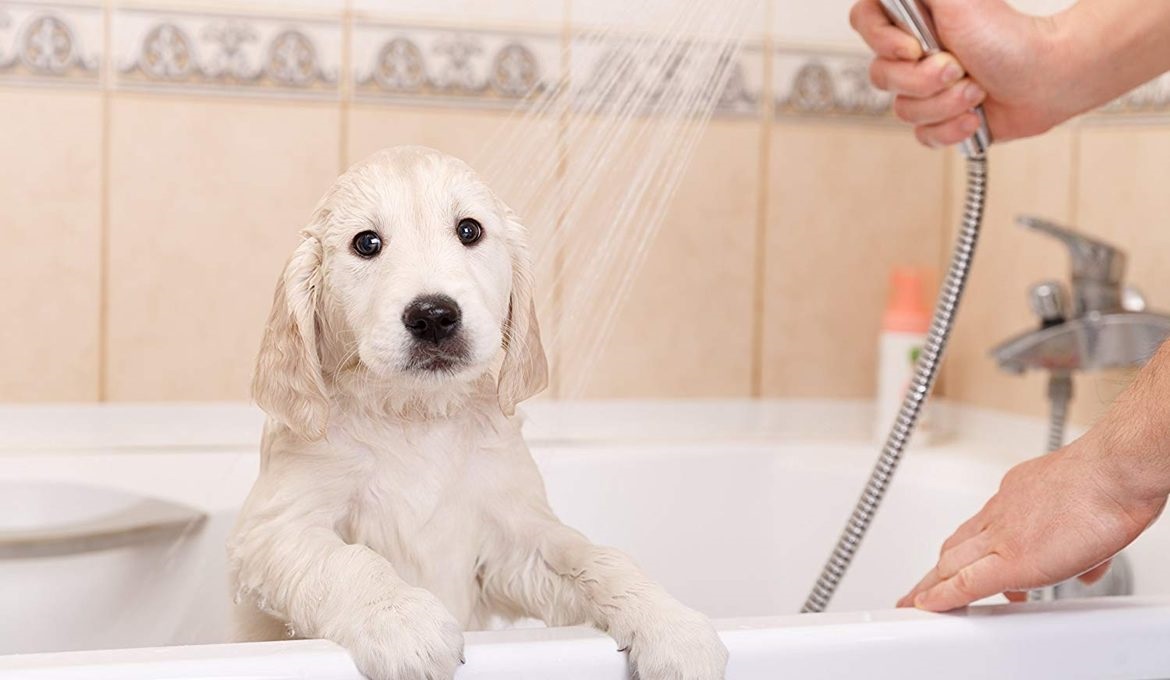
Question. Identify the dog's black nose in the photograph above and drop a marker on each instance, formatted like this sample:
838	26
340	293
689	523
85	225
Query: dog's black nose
432	318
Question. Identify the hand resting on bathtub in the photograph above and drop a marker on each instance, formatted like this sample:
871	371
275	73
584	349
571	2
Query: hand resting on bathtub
1067	513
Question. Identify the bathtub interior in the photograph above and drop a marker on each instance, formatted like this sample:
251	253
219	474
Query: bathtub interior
733	526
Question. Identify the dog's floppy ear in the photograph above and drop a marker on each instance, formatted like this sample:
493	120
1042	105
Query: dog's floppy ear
288	383
525	368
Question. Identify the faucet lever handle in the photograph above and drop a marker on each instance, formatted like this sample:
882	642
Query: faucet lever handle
1092	260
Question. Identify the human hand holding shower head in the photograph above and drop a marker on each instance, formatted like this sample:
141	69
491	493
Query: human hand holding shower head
913	17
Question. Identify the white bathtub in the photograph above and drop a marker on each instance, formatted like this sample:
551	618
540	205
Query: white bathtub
733	506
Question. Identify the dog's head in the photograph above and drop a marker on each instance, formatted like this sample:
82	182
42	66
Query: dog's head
411	273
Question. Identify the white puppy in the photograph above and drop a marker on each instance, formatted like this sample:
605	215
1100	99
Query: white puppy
397	503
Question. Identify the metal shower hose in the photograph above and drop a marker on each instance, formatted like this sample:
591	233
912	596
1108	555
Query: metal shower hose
924	376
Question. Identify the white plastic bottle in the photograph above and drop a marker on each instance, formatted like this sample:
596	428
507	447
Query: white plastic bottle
904	327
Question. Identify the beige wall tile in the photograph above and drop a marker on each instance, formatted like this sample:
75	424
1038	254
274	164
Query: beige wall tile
1122	198
685	327
50	187
846	204
737	17
206	199
476	12
824	22
827	21
269	7
1029	177
507	149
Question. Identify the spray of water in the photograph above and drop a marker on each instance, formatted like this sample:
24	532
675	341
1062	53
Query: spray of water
594	162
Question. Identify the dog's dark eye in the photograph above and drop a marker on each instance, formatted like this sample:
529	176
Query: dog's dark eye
469	231
367	244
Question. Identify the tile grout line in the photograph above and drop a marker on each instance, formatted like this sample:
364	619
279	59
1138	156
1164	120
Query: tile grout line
345	85
103	349
763	188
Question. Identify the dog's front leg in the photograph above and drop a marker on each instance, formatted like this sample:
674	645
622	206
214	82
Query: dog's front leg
556	574
303	573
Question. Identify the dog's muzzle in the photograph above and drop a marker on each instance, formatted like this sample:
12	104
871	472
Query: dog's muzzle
435	322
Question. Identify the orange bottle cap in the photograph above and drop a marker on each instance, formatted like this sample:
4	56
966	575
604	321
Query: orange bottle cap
906	311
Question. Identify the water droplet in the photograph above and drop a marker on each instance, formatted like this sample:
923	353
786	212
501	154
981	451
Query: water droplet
288	628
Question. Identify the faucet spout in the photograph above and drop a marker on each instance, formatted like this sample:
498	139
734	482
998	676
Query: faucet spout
1091	343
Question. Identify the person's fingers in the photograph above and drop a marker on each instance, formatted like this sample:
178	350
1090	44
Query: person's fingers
988	576
921	79
1016	596
968	552
950	562
1096	573
885	39
965	531
955	101
925	583
951	132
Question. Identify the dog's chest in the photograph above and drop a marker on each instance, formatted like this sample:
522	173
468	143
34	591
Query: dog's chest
419	505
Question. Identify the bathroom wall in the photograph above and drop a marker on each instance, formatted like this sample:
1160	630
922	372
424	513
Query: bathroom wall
175	150
1105	175
161	156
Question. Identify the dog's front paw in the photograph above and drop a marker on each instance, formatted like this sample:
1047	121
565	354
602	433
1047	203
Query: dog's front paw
414	637
678	645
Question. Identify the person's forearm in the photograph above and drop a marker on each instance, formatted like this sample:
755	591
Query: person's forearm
1133	439
1110	47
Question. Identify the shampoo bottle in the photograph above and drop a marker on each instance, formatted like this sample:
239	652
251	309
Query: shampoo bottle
904	327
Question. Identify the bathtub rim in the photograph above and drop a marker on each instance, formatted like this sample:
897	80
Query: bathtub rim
216	427
1095	636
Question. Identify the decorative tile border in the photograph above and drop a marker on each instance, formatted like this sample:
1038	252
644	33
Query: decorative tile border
246	54
50	43
830	84
224	53
622	71
459	66
61	44
826	84
743	93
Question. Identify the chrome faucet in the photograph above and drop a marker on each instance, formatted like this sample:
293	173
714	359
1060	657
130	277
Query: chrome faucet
1103	325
